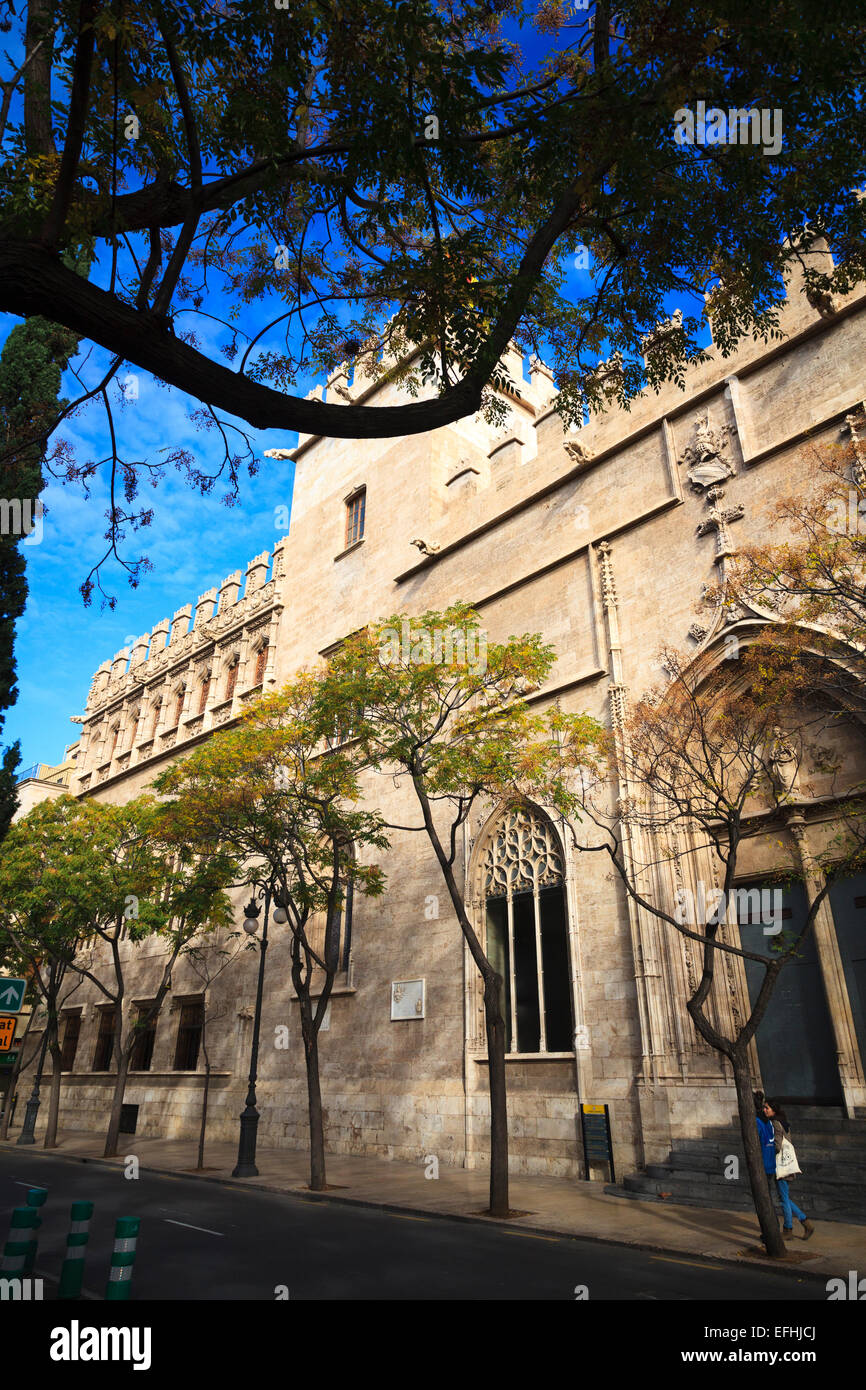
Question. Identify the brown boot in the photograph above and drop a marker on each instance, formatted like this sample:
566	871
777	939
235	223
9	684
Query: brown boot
808	1229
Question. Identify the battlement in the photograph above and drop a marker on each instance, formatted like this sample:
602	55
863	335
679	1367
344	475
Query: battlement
215	614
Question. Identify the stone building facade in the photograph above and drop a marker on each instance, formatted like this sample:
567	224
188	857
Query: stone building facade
602	539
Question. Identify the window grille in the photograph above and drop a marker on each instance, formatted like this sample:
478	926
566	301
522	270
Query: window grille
189	1036
71	1034
142	1051
104	1041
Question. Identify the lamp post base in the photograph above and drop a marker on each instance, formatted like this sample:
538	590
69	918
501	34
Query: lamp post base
27	1135
246	1164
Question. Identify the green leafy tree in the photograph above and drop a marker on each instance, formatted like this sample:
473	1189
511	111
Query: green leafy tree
431	167
36	929
110	874
431	702
13	963
705	765
275	796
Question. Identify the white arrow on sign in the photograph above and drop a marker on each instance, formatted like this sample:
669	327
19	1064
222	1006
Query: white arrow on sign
10	997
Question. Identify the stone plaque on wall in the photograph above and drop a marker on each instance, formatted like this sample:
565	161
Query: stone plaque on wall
407	999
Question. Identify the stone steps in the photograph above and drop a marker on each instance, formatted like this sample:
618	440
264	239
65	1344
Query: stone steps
831	1150
842	1166
819	1207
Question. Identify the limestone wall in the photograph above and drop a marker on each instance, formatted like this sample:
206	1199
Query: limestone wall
516	519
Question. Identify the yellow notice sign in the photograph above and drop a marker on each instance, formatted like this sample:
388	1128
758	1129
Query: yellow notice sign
592	1109
7	1033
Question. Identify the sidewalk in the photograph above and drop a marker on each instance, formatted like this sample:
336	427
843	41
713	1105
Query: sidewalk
562	1206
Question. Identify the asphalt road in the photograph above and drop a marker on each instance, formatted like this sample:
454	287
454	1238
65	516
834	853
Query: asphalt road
202	1240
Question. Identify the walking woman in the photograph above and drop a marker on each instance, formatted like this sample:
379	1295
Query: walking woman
773	1128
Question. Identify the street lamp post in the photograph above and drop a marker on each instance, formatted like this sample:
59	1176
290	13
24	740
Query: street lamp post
246	1164
27	1135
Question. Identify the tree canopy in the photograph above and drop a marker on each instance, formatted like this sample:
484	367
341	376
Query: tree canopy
301	171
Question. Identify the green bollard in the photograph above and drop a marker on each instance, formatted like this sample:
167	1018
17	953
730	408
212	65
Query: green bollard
72	1273
18	1244
122	1258
36	1198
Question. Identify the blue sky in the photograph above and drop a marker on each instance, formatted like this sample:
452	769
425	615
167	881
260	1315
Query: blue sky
193	543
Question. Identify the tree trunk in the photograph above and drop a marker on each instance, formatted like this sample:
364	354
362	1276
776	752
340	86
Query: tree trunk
204	1099
314	1096
761	1195
50	1140
110	1149
495	1026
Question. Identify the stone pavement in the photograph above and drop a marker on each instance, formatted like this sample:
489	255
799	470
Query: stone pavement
561	1205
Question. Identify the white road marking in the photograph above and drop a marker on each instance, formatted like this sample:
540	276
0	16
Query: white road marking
193	1228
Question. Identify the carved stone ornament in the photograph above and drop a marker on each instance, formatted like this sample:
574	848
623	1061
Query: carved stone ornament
784	766
705	456
523	855
580	453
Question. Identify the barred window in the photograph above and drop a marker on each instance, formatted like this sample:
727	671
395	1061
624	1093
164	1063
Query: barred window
355	509
70	1042
104	1041
142	1051
189	1036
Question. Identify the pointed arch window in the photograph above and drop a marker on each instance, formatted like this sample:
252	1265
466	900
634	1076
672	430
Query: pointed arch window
522	882
231	680
261	663
203	693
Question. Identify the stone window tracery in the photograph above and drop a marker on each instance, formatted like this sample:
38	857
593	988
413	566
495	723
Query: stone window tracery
526	933
522	855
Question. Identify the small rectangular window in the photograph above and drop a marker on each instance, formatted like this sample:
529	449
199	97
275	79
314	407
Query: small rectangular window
104	1041
70	1042
355	509
142	1050
189	1036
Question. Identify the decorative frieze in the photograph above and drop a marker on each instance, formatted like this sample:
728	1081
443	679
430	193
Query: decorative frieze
141	687
705	458
718	520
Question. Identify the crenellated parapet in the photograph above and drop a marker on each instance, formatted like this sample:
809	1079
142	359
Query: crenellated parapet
187	675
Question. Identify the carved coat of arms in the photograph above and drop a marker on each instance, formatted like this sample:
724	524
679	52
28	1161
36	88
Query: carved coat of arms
706	459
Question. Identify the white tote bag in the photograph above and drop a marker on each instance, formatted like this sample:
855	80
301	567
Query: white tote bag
786	1160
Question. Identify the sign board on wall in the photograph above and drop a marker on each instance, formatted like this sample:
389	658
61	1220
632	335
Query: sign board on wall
407	999
595	1127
